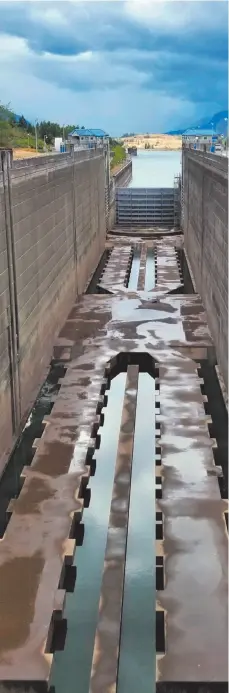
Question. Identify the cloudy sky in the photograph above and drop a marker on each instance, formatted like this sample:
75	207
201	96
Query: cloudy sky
122	65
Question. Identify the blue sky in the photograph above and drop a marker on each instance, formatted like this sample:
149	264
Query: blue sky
122	66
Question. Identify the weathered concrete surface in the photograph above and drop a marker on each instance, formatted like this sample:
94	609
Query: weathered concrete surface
115	275
205	214
117	269
167	334
58	225
172	330
195	538
147	232
123	177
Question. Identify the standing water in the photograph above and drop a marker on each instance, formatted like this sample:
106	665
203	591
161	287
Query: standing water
150	270
135	268
72	667
138	648
153	169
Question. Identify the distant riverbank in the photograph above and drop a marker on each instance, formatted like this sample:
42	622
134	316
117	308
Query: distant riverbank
154	142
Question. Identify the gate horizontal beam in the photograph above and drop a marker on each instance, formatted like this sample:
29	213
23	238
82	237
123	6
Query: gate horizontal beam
146	206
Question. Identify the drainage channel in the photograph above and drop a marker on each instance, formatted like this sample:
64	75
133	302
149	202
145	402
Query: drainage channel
10	483
218	429
92	286
150	270
134	272
137	660
94	611
185	276
72	667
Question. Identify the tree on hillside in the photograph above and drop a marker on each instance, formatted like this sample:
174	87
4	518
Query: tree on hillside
30	129
14	130
49	130
70	128
6	112
113	142
128	134
22	123
5	133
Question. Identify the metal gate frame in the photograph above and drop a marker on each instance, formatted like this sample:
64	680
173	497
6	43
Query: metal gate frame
147	207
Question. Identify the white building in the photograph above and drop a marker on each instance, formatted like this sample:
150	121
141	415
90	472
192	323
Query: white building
199	138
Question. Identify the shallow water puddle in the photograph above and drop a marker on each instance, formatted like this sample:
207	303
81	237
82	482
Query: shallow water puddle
138	649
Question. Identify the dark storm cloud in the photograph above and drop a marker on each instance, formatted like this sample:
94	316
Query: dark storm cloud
183	56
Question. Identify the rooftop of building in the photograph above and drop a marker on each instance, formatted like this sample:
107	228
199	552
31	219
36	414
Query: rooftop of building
199	132
92	132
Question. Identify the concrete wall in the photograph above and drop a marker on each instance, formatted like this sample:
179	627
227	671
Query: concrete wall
110	205
205	223
120	179
5	342
123	177
52	213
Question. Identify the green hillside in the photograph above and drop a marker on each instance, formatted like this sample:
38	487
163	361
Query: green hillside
16	131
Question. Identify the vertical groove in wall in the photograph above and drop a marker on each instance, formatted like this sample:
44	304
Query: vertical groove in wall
203	227
74	215
9	164
13	305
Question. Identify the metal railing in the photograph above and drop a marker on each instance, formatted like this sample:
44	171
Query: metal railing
205	147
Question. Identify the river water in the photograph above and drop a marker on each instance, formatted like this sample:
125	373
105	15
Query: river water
151	169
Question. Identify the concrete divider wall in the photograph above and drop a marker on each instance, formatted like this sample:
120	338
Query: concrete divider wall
5	395
205	221
123	177
53	210
120	179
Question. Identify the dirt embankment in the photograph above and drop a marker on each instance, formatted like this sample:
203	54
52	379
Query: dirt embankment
118	167
157	142
20	153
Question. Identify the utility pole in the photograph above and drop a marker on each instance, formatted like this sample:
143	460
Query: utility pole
226	145
63	133
36	133
212	124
